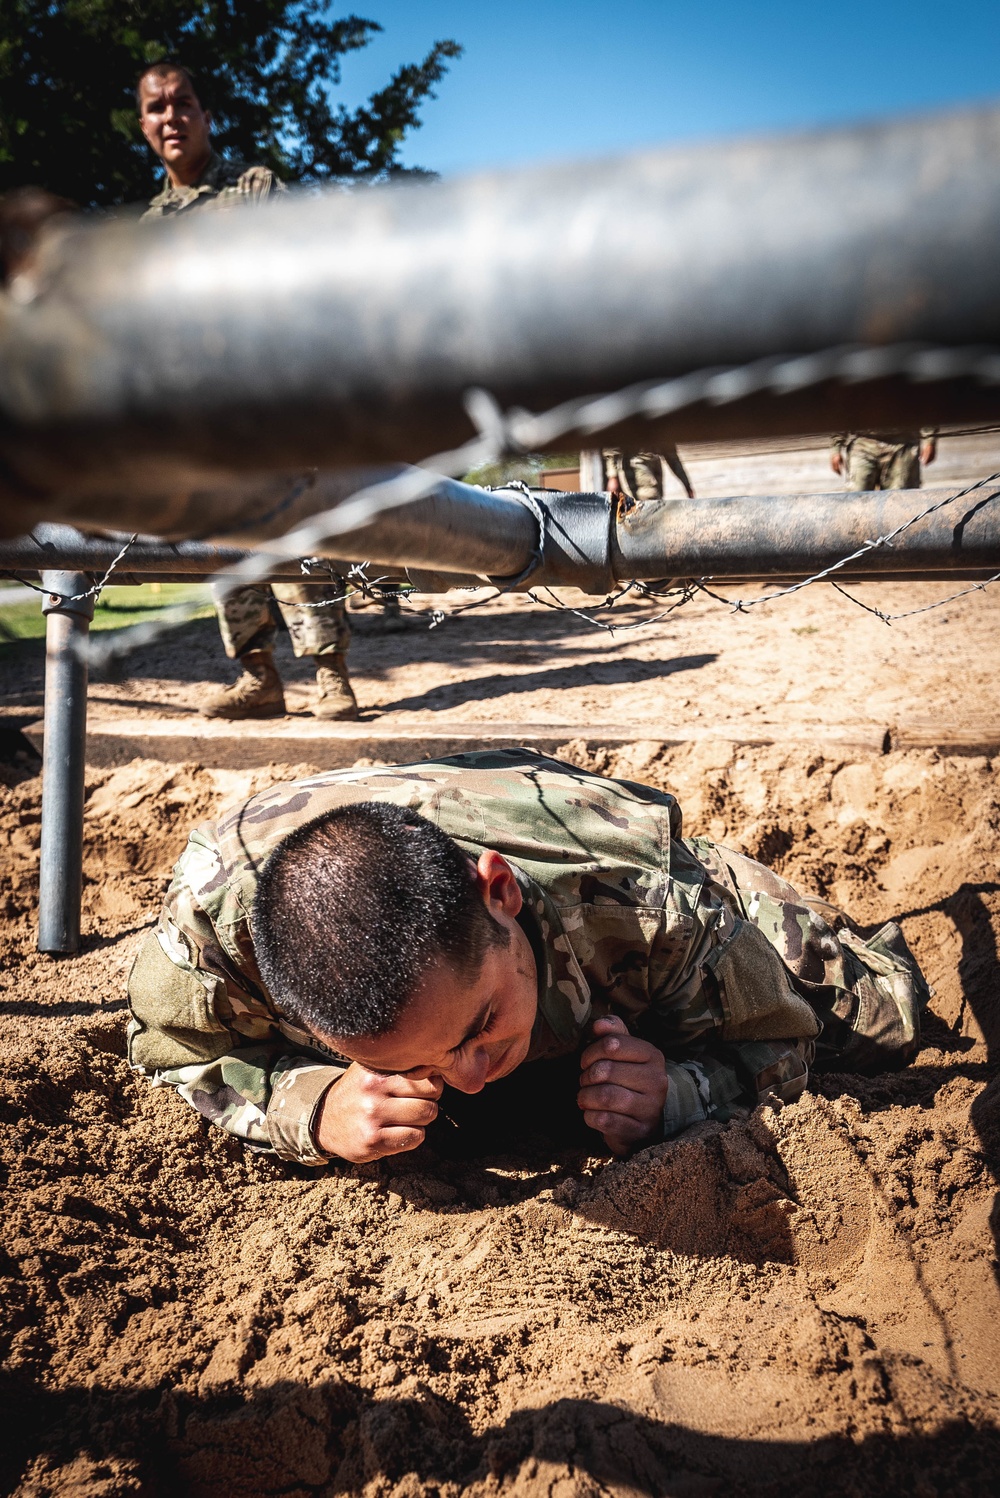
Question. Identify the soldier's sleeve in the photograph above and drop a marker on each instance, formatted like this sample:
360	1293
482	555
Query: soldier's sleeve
724	1011
199	1025
716	1079
838	442
259	183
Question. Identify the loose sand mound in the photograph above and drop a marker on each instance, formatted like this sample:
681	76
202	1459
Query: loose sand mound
803	1302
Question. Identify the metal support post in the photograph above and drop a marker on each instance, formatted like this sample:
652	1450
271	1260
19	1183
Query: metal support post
591	471
68	619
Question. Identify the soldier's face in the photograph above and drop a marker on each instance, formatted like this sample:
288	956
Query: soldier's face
173	121
467	1030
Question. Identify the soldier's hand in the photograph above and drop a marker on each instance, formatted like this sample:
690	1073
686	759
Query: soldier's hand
623	1086
612	485
837	462
367	1114
928	452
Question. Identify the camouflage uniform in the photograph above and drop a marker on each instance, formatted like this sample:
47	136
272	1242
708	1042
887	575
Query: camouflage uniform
643	476
223	184
246	622
245	616
882	460
739	980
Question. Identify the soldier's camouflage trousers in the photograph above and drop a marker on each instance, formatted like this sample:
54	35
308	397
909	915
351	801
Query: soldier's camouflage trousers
641	475
872	464
246	622
867	992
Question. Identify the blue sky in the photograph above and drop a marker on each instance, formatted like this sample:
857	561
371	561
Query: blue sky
556	79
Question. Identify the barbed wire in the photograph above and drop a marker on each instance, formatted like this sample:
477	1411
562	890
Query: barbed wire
501	434
93	592
924	609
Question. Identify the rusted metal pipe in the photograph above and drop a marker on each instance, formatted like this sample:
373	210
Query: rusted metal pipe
765	538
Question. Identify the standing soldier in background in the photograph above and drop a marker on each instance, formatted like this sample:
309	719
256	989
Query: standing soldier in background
642	476
882	460
178	129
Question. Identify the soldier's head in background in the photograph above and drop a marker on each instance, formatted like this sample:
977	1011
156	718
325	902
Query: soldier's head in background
174	121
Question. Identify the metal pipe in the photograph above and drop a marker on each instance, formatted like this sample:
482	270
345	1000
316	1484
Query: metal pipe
64	547
592	546
466	528
137	363
64	757
764	538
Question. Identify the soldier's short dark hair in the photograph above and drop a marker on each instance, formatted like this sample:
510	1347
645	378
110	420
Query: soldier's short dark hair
354	908
163	70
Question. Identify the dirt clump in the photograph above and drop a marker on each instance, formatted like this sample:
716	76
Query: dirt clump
802	1300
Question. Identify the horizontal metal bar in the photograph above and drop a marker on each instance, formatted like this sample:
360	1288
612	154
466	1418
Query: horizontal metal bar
63	547
588	546
778	537
441	582
325	331
464	527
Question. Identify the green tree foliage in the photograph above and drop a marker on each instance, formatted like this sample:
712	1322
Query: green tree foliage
264	67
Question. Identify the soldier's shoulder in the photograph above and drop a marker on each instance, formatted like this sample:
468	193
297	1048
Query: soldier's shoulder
160	202
247	179
259	176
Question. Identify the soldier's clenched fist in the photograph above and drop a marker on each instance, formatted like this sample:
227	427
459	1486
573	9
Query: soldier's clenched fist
367	1114
623	1086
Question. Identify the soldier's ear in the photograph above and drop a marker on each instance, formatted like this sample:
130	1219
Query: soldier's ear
499	888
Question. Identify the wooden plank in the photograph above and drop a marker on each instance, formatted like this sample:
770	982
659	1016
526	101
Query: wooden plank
247	745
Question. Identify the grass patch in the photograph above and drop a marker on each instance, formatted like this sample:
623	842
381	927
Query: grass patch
116	607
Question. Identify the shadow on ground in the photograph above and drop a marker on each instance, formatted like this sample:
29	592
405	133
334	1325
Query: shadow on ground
332	1438
586	673
976	920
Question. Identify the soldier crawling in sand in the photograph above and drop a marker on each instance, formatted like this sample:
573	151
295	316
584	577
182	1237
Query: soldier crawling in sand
335	951
178	129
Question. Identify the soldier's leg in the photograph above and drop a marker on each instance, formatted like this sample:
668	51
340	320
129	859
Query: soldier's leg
317	626
863	465
672	458
383	595
392	615
645	475
868	993
247	630
902	469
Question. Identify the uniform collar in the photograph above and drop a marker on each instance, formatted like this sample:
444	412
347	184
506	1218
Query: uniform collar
207	182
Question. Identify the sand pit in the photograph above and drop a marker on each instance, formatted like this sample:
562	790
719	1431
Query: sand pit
802	1302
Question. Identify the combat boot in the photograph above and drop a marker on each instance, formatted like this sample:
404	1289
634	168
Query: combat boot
257	693
335	696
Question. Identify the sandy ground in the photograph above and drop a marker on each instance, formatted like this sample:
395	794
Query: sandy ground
805	1302
795	668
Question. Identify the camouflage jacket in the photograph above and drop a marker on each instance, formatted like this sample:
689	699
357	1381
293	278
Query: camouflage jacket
223	184
625	916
